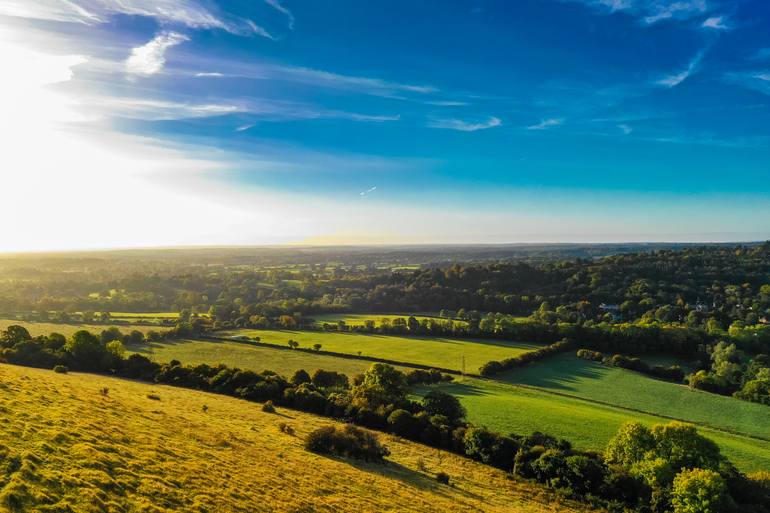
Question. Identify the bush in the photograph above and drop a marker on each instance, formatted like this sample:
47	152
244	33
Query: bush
61	369
443	478
698	491
346	441
494	367
268	407
286	428
587	354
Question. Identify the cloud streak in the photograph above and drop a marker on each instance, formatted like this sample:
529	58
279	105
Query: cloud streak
546	124
465	126
150	58
715	23
276	4
677	78
92	12
650	12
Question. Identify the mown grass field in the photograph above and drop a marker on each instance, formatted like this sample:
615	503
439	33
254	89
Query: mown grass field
359	319
244	356
441	352
67	446
510	408
46	328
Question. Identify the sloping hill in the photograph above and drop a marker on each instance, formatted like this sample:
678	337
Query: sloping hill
85	443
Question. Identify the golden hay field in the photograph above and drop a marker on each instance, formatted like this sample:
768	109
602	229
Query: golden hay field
84	443
46	328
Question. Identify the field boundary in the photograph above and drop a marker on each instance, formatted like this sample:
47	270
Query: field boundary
341	355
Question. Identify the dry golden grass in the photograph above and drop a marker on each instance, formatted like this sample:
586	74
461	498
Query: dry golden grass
67	444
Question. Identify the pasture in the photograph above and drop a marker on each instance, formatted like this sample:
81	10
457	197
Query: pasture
359	319
83	443
432	351
244	356
511	408
45	328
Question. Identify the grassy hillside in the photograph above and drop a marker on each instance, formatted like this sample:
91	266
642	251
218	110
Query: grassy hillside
46	328
440	351
67	445
244	356
359	319
574	376
511	408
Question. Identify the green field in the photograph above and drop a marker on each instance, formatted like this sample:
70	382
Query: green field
45	328
559	396
244	356
144	315
436	351
589	380
359	319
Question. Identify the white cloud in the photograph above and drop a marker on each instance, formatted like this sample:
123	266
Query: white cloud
626	129
185	12
716	23
651	11
150	58
546	124
276	4
373	86
209	74
677	78
465	126
368	191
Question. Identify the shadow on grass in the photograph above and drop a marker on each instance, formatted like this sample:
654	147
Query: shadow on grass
561	372
405	475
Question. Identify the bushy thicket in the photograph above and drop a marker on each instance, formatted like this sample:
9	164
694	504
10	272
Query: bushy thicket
348	441
672	373
493	367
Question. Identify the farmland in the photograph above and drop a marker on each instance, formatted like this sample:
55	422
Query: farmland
589	425
244	356
436	351
45	328
359	319
94	447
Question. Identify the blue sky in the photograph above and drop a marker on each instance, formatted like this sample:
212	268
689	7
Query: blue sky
272	121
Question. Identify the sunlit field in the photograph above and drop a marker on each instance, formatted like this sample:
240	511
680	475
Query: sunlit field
46	328
104	444
359	319
443	352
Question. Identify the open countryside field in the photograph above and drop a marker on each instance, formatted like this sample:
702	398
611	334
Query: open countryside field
91	451
45	328
359	319
244	356
441	352
511	408
619	387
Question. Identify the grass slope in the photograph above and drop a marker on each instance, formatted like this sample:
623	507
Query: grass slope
359	319
514	409
440	352
46	328
68	447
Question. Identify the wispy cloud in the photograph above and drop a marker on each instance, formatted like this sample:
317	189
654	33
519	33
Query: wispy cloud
368	191
754	80
626	129
677	78
715	23
243	128
150	58
373	86
90	12
465	126
546	124
209	74
650	11
276	4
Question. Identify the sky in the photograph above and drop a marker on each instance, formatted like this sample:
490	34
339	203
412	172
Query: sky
137	123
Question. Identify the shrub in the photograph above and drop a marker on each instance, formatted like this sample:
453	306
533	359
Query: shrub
268	407
698	491
286	428
494	367
347	441
153	397
104	391
437	402
587	354
443	478
61	369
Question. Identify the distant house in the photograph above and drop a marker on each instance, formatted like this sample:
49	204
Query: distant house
612	309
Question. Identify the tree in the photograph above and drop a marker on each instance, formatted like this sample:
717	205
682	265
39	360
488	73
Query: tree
317	346
437	402
699	491
14	334
300	376
86	350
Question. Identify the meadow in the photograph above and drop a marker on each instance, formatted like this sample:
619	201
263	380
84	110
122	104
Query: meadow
441	352
359	319
511	408
109	445
45	328
244	356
